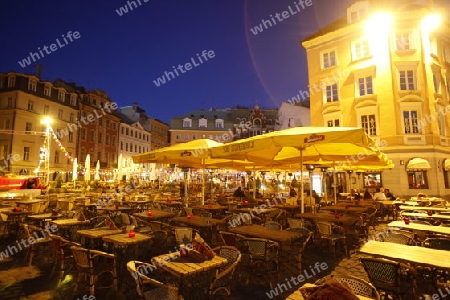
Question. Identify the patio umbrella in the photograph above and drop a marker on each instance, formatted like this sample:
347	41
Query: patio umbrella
75	169
335	145
97	171
87	168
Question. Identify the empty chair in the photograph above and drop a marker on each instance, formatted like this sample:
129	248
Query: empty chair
263	256
61	253
297	246
391	277
89	265
295	223
357	285
441	243
273	226
224	276
332	233
149	282
400	237
40	239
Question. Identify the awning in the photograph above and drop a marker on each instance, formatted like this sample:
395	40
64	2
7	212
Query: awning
418	164
447	164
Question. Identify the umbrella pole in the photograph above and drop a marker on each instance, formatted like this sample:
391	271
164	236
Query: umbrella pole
301	182
203	182
334	182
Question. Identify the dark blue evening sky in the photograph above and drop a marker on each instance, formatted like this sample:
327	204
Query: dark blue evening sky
123	55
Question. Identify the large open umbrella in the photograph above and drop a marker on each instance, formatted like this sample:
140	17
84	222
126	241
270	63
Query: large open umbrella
335	145
87	168
75	170
97	171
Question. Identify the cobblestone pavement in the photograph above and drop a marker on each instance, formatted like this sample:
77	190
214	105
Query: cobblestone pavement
18	281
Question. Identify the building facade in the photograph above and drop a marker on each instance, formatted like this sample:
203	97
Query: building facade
25	101
385	66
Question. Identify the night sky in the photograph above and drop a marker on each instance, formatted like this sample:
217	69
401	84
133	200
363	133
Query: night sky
124	55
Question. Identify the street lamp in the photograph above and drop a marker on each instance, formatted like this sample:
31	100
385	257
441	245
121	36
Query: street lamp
350	178
47	121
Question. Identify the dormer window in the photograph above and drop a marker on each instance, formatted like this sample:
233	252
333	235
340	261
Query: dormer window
357	12
219	123
61	96
47	91
202	123
32	84
187	123
73	100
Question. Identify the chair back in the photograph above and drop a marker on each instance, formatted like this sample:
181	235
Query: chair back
324	228
43	207
228	238
261	248
272	226
357	285
183	235
400	237
437	243
295	223
188	210
81	257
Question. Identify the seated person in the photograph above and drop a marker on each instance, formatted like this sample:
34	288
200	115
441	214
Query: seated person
239	193
379	195
292	193
355	194
258	194
367	195
390	195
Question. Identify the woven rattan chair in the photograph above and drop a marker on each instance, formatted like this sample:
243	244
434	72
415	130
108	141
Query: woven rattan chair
273	225
297	246
391	277
357	285
224	276
90	265
263	254
41	241
437	276
148	284
400	237
332	233
61	253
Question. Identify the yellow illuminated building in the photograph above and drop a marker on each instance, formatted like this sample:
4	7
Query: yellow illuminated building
385	66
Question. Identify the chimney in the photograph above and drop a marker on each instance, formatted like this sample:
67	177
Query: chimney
134	106
38	70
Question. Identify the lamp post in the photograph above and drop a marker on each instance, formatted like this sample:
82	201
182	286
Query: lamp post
350	178
47	121
324	183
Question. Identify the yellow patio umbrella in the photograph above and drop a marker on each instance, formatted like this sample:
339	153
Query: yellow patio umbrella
300	144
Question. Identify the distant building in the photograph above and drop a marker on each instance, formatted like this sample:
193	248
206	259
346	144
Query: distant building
291	115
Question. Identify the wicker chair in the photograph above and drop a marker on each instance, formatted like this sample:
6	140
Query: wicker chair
224	276
297	246
400	237
357	285
201	212
391	277
89	265
150	288
263	254
61	253
332	233
41	243
272	225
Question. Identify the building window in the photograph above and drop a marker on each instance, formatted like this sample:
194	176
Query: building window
60	114
186	137
121	145
187	123
126	146
369	123
30	105
219	123
56	159
47	91
407	80
194	136
91	136
107	123
82	154
11	81
135	148
73	100
360	49
107	139
417	179
83	134
2	82
365	86
61	96
410	121
32	84
71	118
46	109
405	41
28	127
26	153
10	102
177	137
333	123
332	93
202	123
99	137
131	147
113	141
70	136
328	59
126	131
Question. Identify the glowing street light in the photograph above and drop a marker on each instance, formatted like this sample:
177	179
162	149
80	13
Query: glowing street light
431	22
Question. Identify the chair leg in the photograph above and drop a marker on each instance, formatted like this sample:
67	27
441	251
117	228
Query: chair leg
92	284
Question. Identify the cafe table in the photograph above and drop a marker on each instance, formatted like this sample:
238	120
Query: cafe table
204	224
214	209
329	217
68	227
345	208
413	254
156	215
29	204
432	208
190	274
91	238
257	210
424	215
128	248
41	218
280	236
420	227
114	210
13	219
